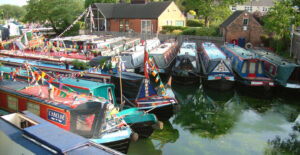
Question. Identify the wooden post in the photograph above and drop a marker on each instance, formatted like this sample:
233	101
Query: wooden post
121	91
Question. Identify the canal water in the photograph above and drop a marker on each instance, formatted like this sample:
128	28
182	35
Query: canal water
213	122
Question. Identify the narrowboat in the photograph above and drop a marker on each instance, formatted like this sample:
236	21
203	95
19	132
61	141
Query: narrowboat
87	116
141	123
133	58
216	68
164	56
286	74
143	96
248	67
26	133
186	70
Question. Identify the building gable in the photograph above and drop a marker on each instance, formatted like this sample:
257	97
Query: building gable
172	15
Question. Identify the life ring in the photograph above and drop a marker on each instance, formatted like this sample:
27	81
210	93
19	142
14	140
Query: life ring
248	45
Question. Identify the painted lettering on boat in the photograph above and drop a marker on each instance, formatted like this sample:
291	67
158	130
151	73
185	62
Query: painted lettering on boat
56	116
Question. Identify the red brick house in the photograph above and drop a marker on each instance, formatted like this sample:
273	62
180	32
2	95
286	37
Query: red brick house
242	26
139	16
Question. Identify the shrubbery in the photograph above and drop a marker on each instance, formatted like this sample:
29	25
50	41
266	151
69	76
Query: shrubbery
204	31
194	23
190	31
172	28
79	65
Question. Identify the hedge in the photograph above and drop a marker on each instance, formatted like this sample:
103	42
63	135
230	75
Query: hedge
194	23
172	28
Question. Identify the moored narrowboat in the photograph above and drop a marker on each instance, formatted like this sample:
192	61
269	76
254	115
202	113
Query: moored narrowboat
87	116
187	67
141	123
164	57
27	133
285	73
248	67
216	68
143	96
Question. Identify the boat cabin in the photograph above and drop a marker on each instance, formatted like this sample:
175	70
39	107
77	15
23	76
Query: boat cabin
284	72
247	65
27	133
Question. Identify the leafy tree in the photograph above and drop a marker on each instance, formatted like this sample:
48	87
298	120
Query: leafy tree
211	9
11	11
59	14
279	19
89	2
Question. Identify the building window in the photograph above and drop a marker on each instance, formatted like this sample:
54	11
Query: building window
121	25
179	23
265	9
126	25
146	26
245	21
12	103
34	108
233	8
248	8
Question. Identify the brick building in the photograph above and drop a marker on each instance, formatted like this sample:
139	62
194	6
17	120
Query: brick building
242	27
139	16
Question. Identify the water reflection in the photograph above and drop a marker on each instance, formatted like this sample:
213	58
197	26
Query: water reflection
214	122
156	142
207	113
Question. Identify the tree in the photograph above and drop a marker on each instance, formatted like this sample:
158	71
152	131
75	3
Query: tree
279	20
59	14
89	2
11	11
211	9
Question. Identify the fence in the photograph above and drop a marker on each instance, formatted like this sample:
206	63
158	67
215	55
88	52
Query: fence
164	37
295	48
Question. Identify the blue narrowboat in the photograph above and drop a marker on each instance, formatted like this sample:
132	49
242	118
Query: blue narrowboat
26	133
87	116
216	67
285	73
249	68
186	70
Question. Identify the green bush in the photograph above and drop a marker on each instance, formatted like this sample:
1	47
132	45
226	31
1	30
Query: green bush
190	31
205	31
172	28
194	23
278	45
163	31
177	32
79	65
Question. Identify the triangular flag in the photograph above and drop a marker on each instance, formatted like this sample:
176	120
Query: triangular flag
51	79
154	72
43	74
161	85
157	78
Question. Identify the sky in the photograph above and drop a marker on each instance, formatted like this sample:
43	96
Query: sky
14	2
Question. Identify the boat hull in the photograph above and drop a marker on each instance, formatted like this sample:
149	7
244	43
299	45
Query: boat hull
221	84
186	80
120	145
144	130
163	113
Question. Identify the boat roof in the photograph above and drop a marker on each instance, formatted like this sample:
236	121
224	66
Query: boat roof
212	51
40	93
91	85
241	52
272	57
162	48
46	134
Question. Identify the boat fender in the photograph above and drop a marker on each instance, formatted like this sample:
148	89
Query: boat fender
134	136
248	45
159	125
176	108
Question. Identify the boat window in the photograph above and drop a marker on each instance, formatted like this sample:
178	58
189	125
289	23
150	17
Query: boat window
12	102
236	63
33	107
244	69
260	70
252	67
271	69
110	96
84	122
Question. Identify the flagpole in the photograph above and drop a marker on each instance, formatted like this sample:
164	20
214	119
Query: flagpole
121	91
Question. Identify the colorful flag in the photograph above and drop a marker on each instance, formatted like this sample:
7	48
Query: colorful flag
43	74
154	72
161	85
61	85
157	78
145	63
